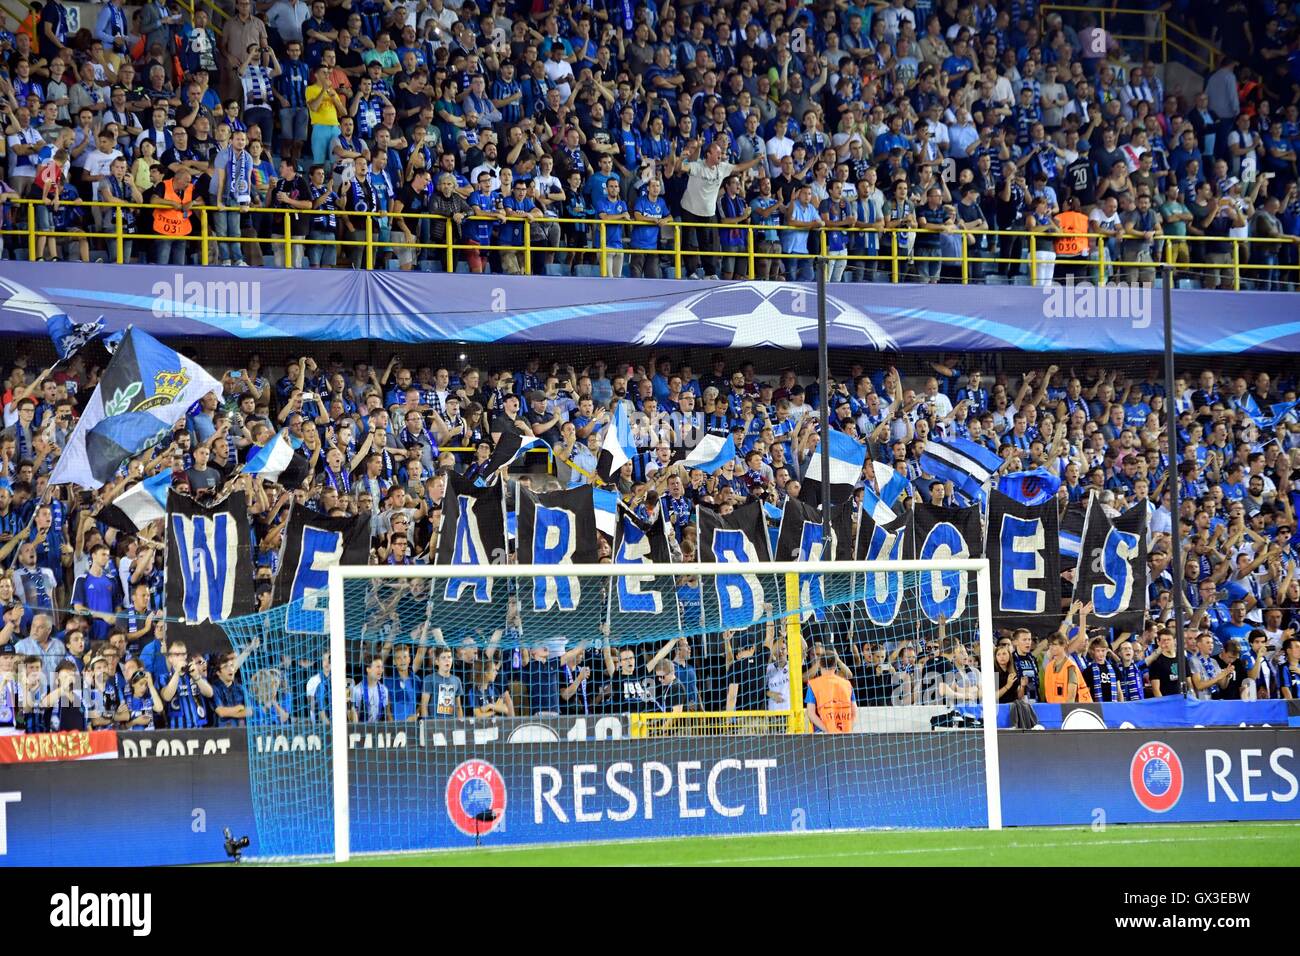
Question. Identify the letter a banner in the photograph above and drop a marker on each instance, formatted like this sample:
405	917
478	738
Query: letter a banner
472	533
1113	566
209	570
1022	543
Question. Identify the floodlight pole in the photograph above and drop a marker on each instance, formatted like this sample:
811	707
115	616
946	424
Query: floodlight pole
1171	478
823	386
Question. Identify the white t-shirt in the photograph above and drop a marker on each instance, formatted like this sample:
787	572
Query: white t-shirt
778	682
701	196
778	148
99	163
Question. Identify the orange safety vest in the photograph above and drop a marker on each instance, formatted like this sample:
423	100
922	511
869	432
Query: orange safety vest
1057	682
1073	240
173	222
833	698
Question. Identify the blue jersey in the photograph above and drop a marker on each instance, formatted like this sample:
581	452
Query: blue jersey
98	593
188	709
224	695
403	695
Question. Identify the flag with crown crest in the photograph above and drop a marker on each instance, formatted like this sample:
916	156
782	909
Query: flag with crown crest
145	390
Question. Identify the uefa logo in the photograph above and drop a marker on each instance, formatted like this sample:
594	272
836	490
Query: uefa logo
476	798
1156	775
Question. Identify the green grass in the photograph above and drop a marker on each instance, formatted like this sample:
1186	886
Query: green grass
1172	845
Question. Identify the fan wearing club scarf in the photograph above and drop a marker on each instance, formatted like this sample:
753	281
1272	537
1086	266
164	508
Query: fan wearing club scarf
1100	673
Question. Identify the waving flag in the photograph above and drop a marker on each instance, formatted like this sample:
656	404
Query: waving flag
511	446
271	460
140	504
1276	415
146	388
68	337
616	445
889	483
1031	487
607	505
1071	533
711	453
967	464
846	458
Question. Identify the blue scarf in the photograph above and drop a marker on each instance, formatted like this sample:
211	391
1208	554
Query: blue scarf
241	172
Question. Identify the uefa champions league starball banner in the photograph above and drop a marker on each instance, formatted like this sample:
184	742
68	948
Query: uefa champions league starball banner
342	305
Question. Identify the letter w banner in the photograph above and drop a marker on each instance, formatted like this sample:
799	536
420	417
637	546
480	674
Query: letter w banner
643	604
145	389
736	600
472	533
1022	543
313	543
558	527
939	533
209	569
800	537
1113	566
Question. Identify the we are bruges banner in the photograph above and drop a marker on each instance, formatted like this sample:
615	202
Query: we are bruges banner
209	567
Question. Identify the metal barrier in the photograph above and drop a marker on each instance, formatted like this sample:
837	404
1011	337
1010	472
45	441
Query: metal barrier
896	256
1168	34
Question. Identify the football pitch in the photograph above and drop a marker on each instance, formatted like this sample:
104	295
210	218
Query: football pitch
1173	845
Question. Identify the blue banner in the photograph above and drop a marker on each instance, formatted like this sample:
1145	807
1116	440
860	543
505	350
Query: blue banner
1145	776
1160	712
340	305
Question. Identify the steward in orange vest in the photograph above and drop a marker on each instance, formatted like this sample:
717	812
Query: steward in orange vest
177	193
1062	681
1073	240
831	706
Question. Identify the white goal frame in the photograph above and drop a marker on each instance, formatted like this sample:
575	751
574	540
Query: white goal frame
339	574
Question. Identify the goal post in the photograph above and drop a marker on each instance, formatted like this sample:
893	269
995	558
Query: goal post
733	770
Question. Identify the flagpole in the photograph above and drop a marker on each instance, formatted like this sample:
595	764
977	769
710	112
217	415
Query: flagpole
823	380
1171	477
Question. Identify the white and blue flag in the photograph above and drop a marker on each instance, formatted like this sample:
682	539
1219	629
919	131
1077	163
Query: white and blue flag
144	391
846	458
711	453
967	464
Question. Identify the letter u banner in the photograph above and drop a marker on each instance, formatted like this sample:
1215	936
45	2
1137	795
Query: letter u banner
1112	566
209	565
1022	544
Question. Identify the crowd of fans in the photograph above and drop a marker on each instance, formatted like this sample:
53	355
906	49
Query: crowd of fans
83	640
602	125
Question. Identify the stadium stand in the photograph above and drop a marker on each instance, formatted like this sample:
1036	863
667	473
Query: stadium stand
924	142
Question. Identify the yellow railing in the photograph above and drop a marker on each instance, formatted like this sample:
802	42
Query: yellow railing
1204	53
216	15
378	234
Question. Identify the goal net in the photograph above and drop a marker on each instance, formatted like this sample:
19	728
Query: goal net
500	705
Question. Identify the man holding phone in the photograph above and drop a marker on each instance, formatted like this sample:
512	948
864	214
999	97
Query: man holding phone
187	689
